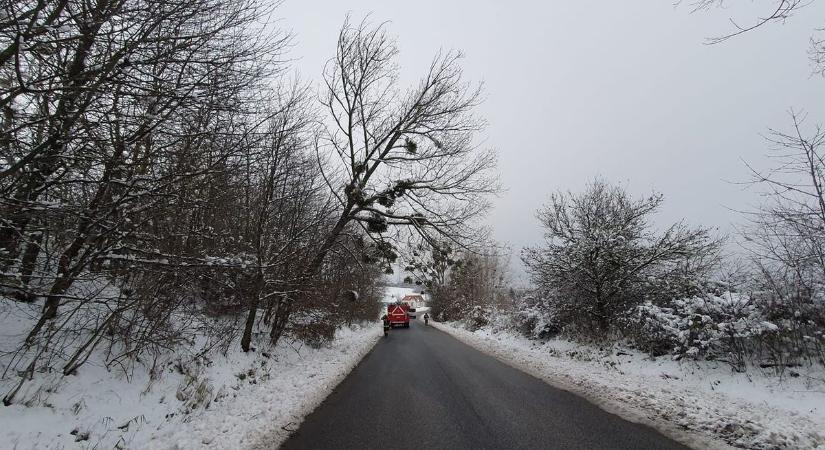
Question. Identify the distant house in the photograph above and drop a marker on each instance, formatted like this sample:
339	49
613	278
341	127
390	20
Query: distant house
414	300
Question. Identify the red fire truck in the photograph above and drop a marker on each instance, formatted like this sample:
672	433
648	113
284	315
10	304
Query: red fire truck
399	314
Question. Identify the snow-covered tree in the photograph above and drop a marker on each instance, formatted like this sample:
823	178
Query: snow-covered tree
602	256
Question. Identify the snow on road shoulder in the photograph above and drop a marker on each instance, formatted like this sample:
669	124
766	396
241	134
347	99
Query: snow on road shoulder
701	406
232	401
264	417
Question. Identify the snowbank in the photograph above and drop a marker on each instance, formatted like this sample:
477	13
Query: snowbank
233	401
701	404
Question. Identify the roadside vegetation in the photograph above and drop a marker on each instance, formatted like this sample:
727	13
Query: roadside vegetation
609	272
172	193
606	274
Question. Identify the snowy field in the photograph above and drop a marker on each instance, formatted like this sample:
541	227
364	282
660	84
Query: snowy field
217	401
704	404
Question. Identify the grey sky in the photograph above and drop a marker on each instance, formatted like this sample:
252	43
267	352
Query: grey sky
623	90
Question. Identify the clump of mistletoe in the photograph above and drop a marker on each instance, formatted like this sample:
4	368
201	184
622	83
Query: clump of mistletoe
430	263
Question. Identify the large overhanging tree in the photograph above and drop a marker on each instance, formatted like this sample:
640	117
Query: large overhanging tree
395	157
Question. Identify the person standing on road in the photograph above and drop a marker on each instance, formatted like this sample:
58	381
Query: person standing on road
426	319
386	321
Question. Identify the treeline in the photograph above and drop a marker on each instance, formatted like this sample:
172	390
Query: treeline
164	176
605	273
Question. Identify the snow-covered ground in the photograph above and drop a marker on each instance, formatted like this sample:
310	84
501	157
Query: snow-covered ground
393	294
704	404
227	401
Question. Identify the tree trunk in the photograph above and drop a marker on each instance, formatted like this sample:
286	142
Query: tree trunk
280	318
250	322
65	272
30	257
254	300
283	307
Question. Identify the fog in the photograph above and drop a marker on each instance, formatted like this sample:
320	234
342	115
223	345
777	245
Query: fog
627	91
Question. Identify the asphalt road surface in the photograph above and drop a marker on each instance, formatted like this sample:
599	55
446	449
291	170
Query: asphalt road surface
420	388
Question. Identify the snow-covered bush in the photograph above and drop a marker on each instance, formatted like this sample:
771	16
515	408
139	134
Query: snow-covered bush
533	318
478	317
757	329
692	327
732	327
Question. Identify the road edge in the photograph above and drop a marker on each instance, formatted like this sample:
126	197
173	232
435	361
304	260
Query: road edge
283	427
692	439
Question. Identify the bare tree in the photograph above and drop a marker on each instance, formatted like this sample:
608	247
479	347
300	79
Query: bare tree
786	236
778	11
775	11
122	120
795	206
100	114
282	187
398	158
